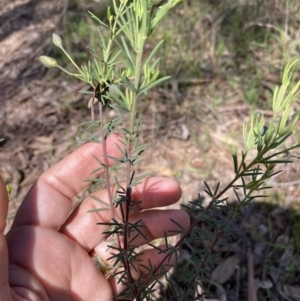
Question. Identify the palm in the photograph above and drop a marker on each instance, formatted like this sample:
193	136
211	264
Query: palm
61	268
49	245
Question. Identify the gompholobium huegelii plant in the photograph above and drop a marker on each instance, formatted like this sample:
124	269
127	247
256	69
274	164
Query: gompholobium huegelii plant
265	147
119	74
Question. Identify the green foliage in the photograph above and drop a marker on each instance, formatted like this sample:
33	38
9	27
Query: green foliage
9	189
119	74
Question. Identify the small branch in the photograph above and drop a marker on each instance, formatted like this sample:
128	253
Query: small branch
105	159
126	235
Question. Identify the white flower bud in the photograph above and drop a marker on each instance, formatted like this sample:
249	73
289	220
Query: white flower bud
48	61
57	40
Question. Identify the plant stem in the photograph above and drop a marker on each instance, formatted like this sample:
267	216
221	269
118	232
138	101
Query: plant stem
138	68
71	60
106	171
105	159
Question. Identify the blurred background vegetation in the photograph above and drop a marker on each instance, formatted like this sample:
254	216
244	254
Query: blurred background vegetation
225	59
245	43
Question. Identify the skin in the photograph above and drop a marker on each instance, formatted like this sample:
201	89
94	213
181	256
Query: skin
45	255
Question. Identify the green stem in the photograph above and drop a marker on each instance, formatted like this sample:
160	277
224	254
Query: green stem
138	70
72	74
65	52
105	159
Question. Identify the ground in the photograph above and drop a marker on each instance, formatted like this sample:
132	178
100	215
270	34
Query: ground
189	140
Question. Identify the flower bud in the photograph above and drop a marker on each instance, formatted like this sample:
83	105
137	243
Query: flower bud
57	40
258	117
110	17
263	130
48	62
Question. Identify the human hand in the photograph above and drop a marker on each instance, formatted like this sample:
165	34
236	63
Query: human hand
45	255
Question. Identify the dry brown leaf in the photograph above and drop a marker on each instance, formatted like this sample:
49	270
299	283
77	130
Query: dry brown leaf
44	139
226	269
292	291
287	256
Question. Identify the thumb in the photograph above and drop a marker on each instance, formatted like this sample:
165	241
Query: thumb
3	205
3	246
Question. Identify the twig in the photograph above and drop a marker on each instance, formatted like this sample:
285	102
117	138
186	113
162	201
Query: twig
252	296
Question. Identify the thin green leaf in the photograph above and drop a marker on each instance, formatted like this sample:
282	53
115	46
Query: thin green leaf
235	161
98	20
153	84
216	189
153	52
137	180
98	210
85	92
124	48
178	225
92	137
208	191
99	200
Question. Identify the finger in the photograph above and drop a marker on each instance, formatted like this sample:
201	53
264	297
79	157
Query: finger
3	205
48	202
3	263
3	245
154	224
153	192
156	192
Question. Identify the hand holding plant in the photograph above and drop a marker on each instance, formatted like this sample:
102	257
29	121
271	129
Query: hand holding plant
119	75
50	246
